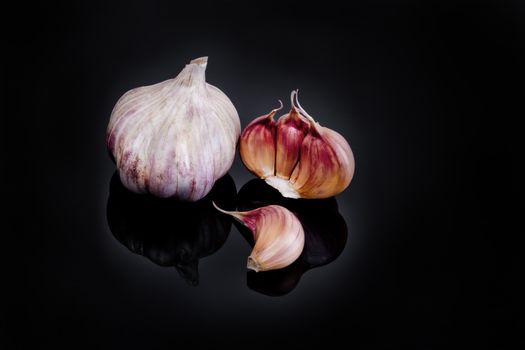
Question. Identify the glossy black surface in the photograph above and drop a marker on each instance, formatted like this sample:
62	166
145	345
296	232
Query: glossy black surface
171	232
428	95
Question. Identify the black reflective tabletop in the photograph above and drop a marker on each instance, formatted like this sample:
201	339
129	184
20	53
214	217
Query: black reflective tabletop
420	252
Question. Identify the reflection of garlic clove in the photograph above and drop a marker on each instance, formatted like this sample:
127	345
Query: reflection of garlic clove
278	235
174	138
310	161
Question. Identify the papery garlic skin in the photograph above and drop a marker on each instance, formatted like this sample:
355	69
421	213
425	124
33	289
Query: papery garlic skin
278	236
290	131
260	133
326	166
311	161
174	138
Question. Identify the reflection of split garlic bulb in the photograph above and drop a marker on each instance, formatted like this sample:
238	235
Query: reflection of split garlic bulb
174	138
278	236
296	155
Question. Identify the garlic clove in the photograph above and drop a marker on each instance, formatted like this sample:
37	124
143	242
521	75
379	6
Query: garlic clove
258	138
278	236
326	166
174	138
290	132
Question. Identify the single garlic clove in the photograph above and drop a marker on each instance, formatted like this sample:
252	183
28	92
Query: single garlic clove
326	166
174	138
278	236
290	131
258	138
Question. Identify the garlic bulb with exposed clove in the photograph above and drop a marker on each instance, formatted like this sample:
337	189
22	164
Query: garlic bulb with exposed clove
174	138
278	236
296	155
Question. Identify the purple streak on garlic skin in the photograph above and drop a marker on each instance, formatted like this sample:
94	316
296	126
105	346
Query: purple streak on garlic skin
174	138
291	129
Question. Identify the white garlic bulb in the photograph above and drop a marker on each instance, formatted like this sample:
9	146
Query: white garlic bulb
174	138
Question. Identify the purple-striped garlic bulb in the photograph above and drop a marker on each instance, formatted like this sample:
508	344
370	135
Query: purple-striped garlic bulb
174	138
296	155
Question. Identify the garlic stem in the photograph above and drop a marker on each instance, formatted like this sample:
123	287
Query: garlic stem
277	109
201	61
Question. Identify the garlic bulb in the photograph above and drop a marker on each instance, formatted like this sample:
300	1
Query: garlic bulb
296	155
278	236
174	138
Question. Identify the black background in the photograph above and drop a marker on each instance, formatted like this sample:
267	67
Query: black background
427	93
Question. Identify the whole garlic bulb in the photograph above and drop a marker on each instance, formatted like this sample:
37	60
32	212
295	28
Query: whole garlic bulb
174	138
278	236
296	155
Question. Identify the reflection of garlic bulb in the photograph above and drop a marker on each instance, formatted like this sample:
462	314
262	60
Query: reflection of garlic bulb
174	138
171	232
296	155
278	236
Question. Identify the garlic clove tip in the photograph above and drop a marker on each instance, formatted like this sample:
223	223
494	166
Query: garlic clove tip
237	215
279	108
311	119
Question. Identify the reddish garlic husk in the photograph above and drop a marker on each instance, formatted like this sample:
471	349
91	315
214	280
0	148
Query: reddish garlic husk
296	155
278	236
